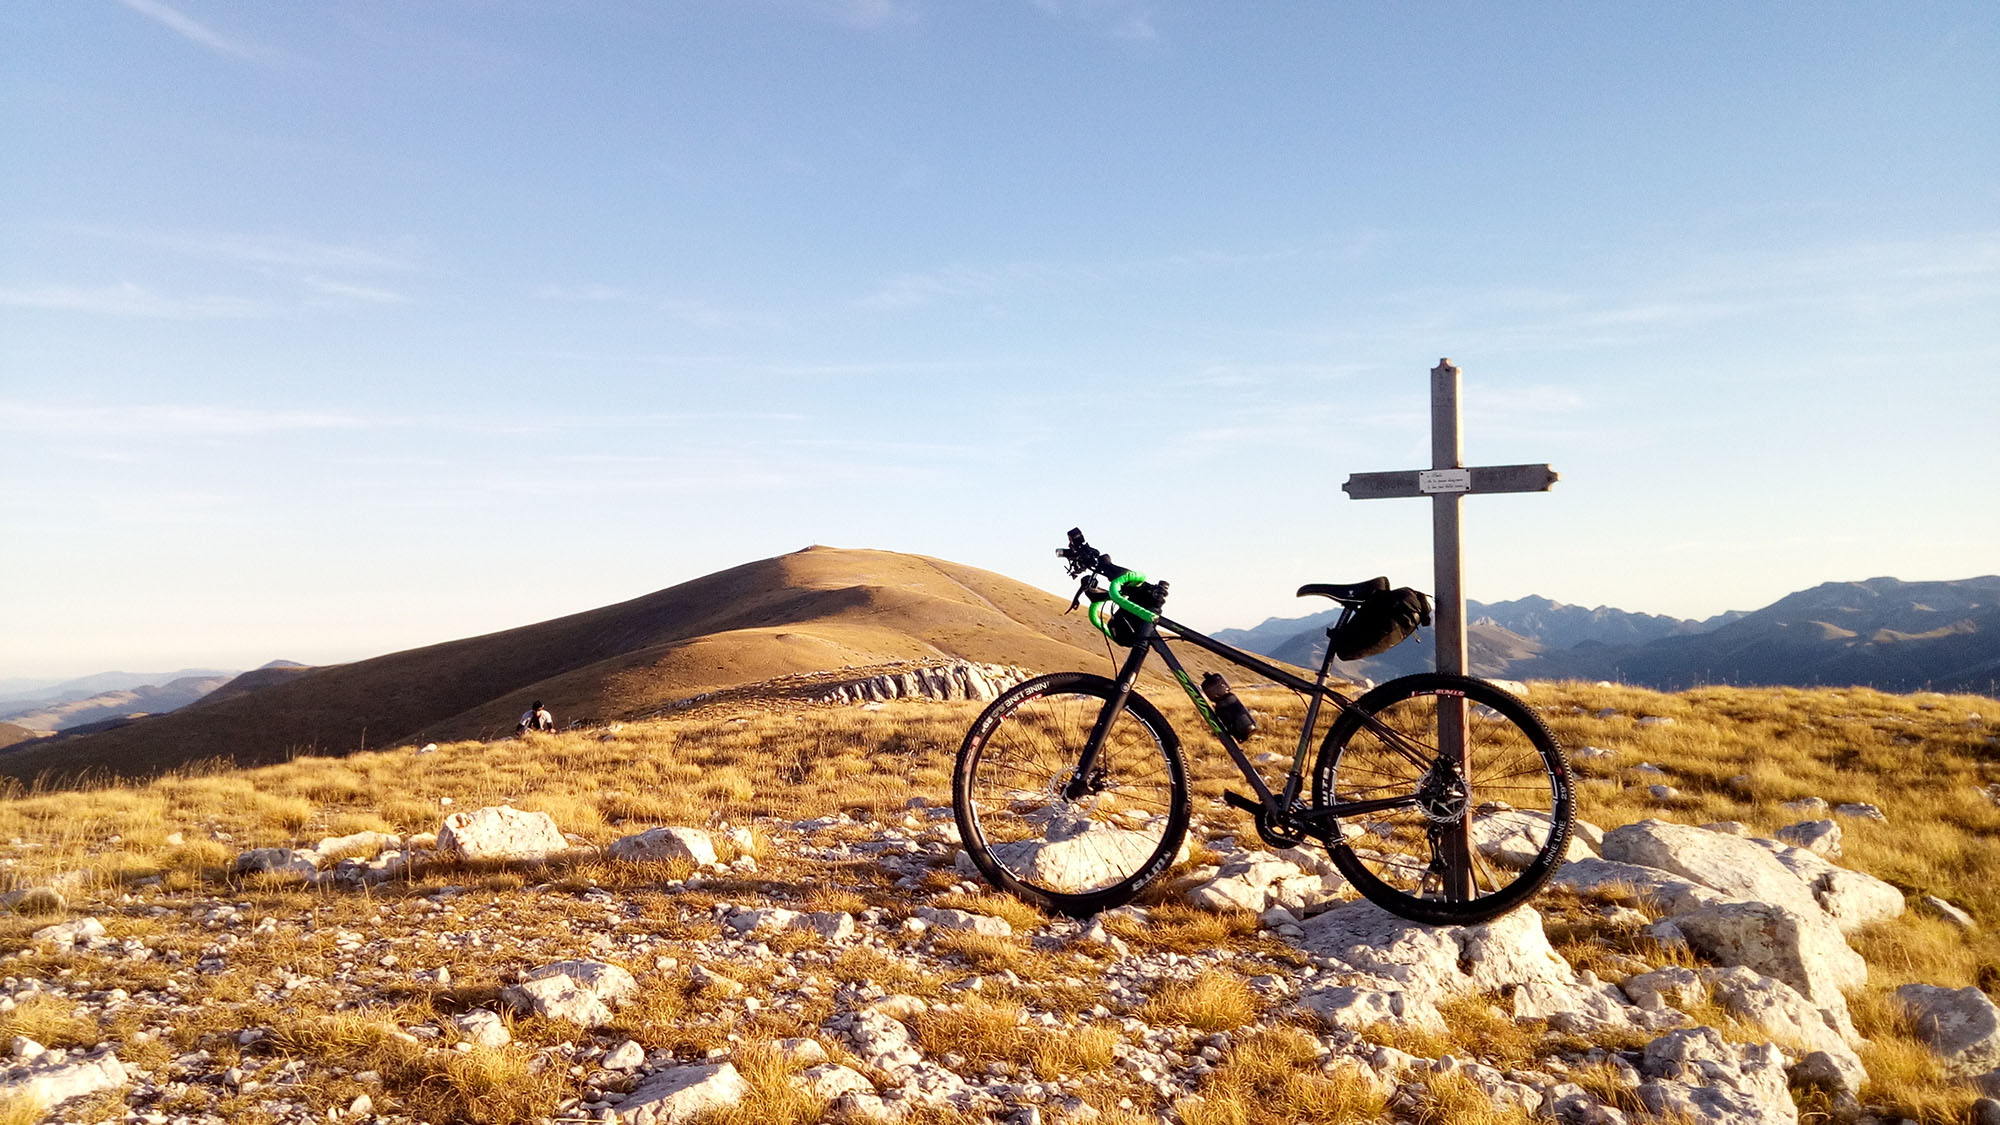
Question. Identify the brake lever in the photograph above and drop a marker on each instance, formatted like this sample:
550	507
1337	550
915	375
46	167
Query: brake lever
1086	588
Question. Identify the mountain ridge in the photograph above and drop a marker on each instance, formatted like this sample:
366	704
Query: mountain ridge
1879	632
807	611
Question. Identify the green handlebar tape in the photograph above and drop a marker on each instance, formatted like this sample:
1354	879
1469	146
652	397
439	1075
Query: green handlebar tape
1118	598
1097	618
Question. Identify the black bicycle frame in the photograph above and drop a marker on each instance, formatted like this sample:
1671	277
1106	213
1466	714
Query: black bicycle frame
1277	806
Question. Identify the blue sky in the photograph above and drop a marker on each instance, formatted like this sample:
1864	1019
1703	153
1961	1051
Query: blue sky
332	329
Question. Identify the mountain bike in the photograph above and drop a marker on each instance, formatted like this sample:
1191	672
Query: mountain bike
1441	798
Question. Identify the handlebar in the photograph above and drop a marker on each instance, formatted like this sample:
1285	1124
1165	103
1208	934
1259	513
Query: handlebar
1083	560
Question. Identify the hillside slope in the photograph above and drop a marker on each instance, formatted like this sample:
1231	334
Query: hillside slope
815	609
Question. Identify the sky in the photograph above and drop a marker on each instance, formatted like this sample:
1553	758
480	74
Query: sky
328	330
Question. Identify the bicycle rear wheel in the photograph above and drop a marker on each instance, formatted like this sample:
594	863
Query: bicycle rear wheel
1074	855
1514	797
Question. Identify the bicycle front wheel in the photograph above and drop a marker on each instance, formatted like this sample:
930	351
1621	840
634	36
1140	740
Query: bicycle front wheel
1445	842
1052	830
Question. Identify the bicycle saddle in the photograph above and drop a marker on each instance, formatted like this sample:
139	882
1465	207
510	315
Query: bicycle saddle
1345	592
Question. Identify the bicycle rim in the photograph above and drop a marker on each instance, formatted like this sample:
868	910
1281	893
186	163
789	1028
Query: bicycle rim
1026	831
1514	798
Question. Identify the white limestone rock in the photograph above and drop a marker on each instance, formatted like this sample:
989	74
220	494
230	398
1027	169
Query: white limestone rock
831	1081
1804	950
1821	837
66	936
799	1051
880	1041
1960	1024
1950	913
1083	856
1852	899
1517	836
299	863
952	919
1606	878
582	992
1357	1007
767	918
483	1028
51	1078
500	832
357	845
682	1094
1736	868
1695	1074
659	844
1398	971
1757	1000
833	925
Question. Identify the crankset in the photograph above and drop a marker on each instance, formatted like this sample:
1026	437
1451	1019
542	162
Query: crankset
1279	833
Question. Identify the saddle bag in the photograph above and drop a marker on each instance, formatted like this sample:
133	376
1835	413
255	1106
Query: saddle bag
1382	621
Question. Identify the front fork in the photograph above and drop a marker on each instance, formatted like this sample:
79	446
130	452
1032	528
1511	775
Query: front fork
1080	782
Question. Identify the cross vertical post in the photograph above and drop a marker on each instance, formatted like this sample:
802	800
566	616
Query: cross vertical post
1444	483
1447	454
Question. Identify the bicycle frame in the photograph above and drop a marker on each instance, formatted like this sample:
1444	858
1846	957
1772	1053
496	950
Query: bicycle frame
1277	807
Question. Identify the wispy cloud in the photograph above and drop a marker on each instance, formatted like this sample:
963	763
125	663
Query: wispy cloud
1848	284
991	280
367	293
1121	19
260	249
592	294
169	420
128	299
915	290
187	27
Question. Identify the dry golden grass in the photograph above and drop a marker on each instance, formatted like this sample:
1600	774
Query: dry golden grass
1474	1027
474	1086
1074	1052
1454	1099
980	1029
1174	926
774	1098
19	1109
1216	1000
1272	1077
1922	766
987	953
50	1021
1017	913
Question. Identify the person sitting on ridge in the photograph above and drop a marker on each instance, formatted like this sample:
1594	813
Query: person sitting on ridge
536	717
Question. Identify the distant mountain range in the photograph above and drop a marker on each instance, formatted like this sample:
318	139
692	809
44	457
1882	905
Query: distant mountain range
18	694
1883	633
109	699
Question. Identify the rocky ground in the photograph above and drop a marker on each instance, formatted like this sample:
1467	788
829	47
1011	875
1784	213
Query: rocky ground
685	972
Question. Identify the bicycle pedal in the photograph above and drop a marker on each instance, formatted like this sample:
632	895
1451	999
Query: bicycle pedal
1237	800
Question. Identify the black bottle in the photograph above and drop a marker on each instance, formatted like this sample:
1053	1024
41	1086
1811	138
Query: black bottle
1229	710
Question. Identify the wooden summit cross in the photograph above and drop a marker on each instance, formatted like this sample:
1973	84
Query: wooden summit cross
1444	482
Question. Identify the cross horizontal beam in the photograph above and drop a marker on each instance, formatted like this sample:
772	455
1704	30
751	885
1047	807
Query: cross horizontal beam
1446	482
